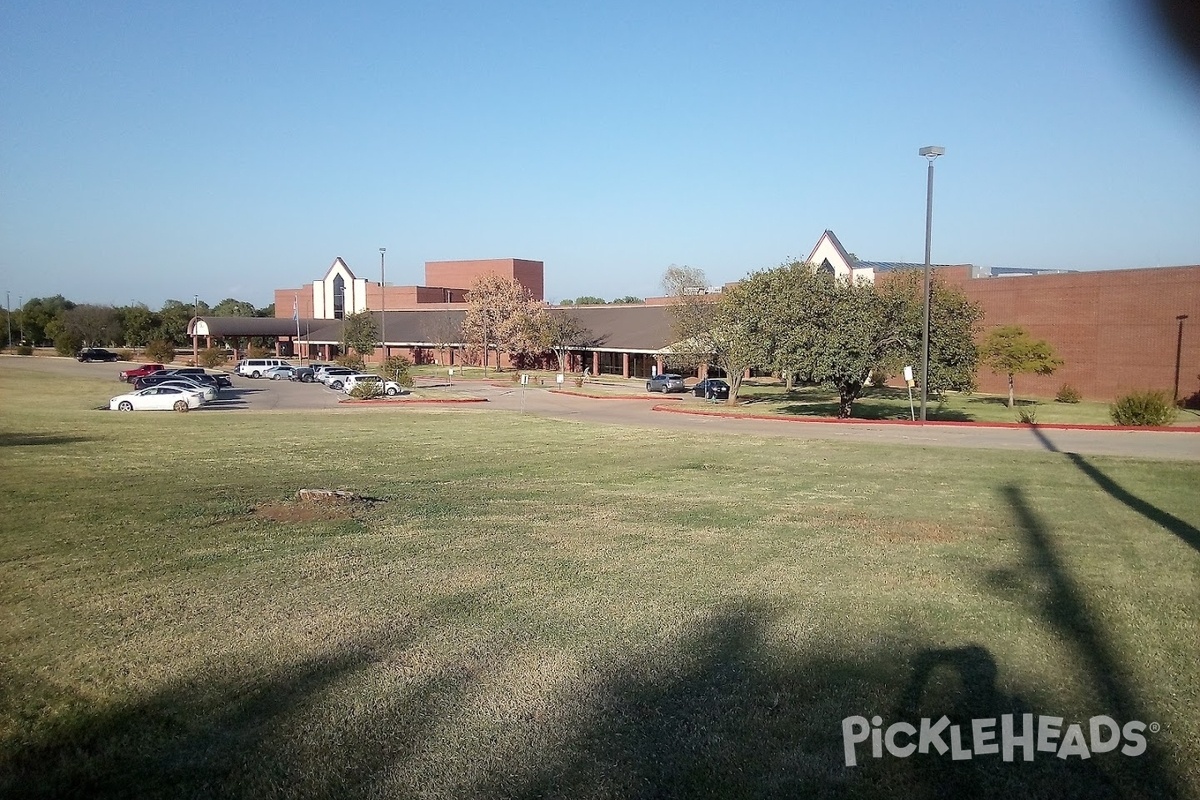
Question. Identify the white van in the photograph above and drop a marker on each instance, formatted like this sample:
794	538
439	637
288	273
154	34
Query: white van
257	367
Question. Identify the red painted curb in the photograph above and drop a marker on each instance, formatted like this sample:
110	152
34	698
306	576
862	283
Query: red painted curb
413	402
1058	426
611	396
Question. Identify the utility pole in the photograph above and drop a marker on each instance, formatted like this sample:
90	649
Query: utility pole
382	310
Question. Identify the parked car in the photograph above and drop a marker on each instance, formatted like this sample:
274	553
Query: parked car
130	375
666	382
156	378
207	393
257	367
156	398
712	389
335	378
321	371
280	373
303	374
96	354
390	388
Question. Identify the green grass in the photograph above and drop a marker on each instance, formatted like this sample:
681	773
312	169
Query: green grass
767	397
547	609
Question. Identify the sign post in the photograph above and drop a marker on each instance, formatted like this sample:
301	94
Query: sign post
524	383
908	379
451	371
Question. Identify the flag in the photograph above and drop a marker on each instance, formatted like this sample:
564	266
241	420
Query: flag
295	310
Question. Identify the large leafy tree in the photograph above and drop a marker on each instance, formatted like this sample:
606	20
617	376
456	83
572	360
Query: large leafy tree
38	313
139	324
230	307
1010	350
361	332
500	314
174	317
91	324
953	325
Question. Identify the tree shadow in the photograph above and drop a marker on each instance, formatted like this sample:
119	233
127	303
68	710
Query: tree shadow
724	714
239	733
1184	530
13	439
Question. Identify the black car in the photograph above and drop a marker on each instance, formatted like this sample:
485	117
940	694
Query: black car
712	389
97	354
220	381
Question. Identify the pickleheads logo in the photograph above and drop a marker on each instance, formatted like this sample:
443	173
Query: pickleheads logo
1047	735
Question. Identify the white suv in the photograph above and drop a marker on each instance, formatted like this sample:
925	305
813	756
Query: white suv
257	367
390	388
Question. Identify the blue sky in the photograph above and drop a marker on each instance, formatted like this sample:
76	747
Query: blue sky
164	149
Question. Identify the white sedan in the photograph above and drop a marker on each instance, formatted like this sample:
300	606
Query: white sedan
156	398
390	388
207	393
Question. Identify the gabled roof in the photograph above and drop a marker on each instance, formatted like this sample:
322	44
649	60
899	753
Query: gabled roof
338	265
833	240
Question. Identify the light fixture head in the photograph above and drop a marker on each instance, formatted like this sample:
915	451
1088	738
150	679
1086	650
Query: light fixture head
932	152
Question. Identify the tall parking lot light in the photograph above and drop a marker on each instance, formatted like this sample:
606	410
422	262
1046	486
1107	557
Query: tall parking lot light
382	307
929	153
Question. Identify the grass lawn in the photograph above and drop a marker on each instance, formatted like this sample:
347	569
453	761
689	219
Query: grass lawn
547	609
768	397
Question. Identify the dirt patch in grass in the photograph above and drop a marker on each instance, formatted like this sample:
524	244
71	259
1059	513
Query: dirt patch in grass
314	509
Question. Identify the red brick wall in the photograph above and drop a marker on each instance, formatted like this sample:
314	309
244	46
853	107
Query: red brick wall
461	274
1116	330
303	298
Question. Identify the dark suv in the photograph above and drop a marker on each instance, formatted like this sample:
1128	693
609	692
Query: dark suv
96	354
666	382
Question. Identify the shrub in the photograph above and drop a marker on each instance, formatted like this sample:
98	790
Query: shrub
879	377
368	390
24	349
160	352
1151	408
1067	394
125	355
67	345
351	360
258	351
213	357
396	369
578	382
1027	415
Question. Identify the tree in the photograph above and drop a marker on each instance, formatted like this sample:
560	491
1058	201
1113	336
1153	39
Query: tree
1010	350
589	300
361	332
499	314
266	311
627	300
38	313
710	328
440	330
138	324
559	332
953	324
229	307
174	317
92	324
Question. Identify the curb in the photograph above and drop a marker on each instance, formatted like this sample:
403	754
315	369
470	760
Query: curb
443	401
611	396
1058	426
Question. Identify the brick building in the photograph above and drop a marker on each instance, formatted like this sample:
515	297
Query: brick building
1116	330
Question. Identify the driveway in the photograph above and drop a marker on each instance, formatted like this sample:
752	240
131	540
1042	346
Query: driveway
266	395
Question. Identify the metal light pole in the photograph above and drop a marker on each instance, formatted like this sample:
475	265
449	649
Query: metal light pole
382	309
195	338
21	308
8	317
930	153
1178	356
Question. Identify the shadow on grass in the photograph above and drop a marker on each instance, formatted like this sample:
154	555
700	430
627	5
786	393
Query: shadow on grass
724	711
9	439
1185	531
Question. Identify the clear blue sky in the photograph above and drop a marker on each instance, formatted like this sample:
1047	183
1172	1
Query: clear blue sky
164	149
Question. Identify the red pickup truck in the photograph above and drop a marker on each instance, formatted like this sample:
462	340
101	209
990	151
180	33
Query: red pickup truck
131	375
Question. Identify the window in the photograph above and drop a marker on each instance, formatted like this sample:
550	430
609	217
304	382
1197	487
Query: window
339	297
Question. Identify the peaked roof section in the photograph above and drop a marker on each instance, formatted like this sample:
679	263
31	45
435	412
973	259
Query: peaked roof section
338	265
833	240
